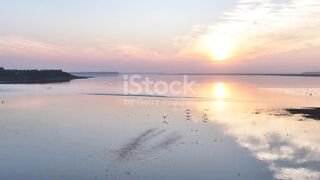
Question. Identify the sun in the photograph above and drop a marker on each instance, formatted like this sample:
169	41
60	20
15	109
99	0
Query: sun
221	51
219	47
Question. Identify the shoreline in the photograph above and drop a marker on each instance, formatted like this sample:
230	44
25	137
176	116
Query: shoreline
35	76
234	74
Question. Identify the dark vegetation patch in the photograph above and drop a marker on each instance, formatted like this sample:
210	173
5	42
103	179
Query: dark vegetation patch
311	113
34	76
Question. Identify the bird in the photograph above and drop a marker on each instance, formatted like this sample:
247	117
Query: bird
164	117
205	120
165	122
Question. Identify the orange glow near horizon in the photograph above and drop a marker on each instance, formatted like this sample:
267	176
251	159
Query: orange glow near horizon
220	91
219	47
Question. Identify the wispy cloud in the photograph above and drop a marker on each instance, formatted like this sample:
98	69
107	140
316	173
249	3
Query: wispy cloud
21	47
252	29
257	28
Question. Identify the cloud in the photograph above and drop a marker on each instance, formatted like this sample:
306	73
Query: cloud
256	28
22	52
253	29
27	48
289	151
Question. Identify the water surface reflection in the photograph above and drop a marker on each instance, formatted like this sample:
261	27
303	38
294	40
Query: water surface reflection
289	145
236	130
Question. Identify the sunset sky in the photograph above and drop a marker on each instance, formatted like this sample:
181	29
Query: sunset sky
161	36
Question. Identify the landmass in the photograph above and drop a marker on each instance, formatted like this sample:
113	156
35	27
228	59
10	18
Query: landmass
97	74
311	113
305	74
35	76
312	73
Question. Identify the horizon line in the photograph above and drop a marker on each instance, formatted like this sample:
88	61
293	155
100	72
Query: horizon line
301	74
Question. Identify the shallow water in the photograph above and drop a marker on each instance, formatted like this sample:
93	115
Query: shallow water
230	128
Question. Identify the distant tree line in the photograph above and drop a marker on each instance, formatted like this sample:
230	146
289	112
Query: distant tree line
34	76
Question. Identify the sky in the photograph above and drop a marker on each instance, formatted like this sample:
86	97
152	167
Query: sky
161	36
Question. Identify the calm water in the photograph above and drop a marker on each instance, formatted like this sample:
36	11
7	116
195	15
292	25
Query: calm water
230	128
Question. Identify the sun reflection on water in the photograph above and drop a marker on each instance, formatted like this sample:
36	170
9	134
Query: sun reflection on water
219	93
287	144
220	90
